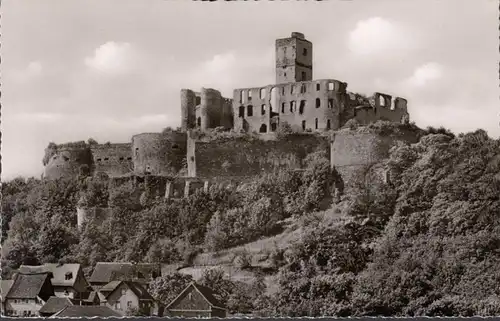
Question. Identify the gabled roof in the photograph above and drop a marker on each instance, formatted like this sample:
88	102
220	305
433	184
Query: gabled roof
5	287
28	286
135	287
105	272
59	271
55	304
74	311
206	292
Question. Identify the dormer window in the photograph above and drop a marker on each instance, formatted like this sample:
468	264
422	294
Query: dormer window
68	276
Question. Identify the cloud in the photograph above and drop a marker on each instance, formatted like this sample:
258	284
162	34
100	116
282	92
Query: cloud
377	36
426	74
111	57
33	70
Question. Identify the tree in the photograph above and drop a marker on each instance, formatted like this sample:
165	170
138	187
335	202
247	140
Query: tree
166	288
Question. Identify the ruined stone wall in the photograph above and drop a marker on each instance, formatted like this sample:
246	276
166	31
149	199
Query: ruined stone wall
112	159
205	109
159	153
66	160
306	106
382	107
188	113
246	156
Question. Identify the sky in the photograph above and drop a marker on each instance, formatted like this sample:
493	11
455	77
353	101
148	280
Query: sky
109	69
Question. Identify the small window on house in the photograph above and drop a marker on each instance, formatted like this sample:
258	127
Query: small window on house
318	86
318	103
262	93
330	103
263	109
328	124
118	306
282	108
198	122
304	125
124	291
241	111
263	128
302	106
304	75
68	276
190	296
331	86
250	111
292	106
316	123
304	51
129	304
198	100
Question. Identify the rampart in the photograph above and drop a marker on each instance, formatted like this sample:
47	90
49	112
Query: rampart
67	160
112	159
249	156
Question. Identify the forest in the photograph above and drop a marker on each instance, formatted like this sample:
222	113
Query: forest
426	242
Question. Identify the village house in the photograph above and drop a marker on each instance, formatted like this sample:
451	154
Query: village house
128	298
196	301
27	294
105	272
68	280
5	287
53	305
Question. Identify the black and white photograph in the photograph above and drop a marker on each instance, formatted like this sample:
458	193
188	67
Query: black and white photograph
250	159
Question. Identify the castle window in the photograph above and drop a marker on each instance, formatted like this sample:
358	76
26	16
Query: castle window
241	112
316	123
282	108
137	152
328	124
250	111
304	75
285	74
292	89
262	93
381	101
318	103
129	158
198	100
318	86
198	122
121	158
263	128
283	89
330	103
304	51
303	125
249	95
192	158
273	127
263	109
293	107
303	88
242	94
302	106
331	86
106	158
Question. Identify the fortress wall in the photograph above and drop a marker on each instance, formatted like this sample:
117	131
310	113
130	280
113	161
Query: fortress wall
158	153
318	103
112	159
243	157
67	161
188	104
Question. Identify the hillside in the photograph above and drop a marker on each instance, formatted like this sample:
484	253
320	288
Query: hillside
424	242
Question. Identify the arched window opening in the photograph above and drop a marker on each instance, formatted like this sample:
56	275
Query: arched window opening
242	95
198	100
241	111
263	109
381	100
282	108
198	122
273	127
328	124
292	106
250	111
303	125
331	86
263	128
262	93
316	123
302	106
318	102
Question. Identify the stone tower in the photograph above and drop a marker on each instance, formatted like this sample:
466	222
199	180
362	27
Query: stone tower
293	59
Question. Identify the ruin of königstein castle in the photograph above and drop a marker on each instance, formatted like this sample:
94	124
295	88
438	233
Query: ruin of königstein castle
184	160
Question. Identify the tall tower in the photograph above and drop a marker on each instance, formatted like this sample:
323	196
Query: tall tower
293	59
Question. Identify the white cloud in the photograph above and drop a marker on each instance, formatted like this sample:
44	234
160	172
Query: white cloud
376	36
36	117
426	74
111	57
33	70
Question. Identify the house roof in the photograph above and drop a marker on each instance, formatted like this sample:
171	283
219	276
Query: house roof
105	272
135	287
205	292
27	286
55	304
5	286
91	297
86	311
59	272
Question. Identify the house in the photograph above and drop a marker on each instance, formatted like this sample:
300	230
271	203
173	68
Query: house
125	297
28	294
5	287
85	311
68	279
196	301
105	272
53	305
